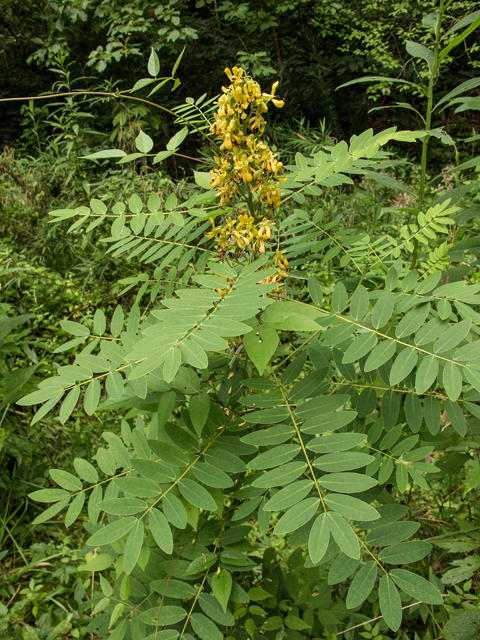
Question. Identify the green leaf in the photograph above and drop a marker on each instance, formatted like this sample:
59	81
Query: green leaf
403	365
308	386
174	588
391	533
291	316
452	380
343	461
52	511
122	506
165	616
117	226
155	471
75	509
344	535
289	495
343	566
412	321
143	142
214	611
456	417
167	453
315	291
49	495
171	202
336	442
427	373
360	347
178	138
85	470
319	538
205	628
98	563
112	532
339	297
196	495
296	516
472	376
324	404
175	511
211	476
138	487
294	369
359	303
390	409
69	404
172	364
390	603
202	179
194	354
75	328
199	408
39	396
66	480
383	352
222	587
418	50
153	65
260	346
106	153
274	457
350	507
413	412
133	547
416	586
405	552
383	309
362	585
345	482
325	423
280	476
271	436
453	336
92	397
114	384
116	325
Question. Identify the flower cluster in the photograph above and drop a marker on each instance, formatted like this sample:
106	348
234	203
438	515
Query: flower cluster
245	157
247	171
241	233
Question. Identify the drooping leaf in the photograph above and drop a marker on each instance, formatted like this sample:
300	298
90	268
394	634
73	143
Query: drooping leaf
344	535
222	587
205	628
260	346
390	603
319	538
133	547
161	530
362	585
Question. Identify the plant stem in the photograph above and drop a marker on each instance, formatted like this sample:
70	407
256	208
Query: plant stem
428	122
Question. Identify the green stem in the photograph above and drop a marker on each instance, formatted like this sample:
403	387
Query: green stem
428	123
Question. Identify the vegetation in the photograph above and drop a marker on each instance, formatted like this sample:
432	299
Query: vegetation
239	334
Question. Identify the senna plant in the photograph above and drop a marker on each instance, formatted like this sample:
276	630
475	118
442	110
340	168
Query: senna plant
267	435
